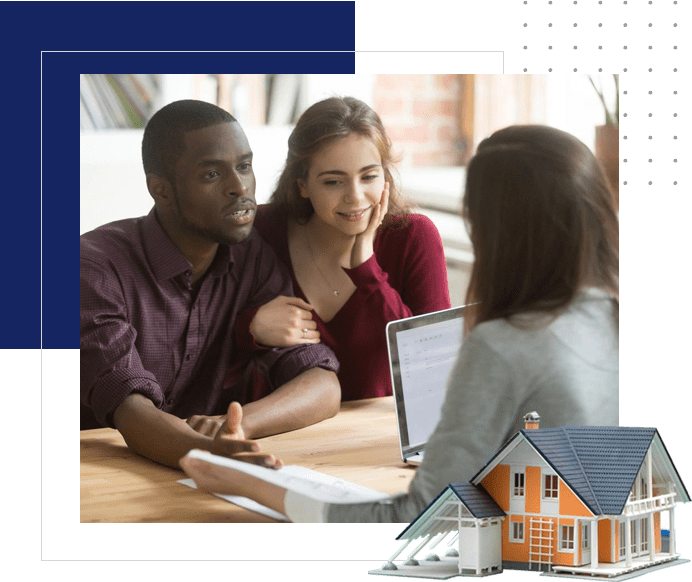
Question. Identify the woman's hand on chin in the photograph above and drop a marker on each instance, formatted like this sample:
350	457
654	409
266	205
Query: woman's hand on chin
363	247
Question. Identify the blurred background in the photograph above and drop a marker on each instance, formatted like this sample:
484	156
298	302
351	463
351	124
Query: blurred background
435	123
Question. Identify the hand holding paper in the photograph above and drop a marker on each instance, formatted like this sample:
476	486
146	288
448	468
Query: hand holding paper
268	487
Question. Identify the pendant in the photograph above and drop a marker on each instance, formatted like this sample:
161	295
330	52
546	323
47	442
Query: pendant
336	293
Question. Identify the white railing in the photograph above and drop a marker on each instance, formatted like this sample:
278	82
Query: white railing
649	505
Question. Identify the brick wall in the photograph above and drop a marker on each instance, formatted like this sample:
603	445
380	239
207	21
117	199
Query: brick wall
421	115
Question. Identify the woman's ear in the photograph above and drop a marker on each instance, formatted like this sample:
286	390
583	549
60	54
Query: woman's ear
301	188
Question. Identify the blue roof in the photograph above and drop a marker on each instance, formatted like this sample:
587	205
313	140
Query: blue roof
476	500
600	464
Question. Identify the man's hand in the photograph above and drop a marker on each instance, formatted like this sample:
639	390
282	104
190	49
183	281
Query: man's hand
165	438
231	435
206	425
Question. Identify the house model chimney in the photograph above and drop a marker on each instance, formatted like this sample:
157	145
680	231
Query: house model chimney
531	420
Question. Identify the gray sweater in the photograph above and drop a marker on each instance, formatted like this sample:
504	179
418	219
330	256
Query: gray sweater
566	369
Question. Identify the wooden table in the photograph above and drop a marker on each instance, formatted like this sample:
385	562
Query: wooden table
359	444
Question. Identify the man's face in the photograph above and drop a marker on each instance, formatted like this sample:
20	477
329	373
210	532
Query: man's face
214	185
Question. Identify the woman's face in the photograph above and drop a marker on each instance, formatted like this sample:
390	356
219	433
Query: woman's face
344	183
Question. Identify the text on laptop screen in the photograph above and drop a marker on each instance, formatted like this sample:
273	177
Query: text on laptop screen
426	356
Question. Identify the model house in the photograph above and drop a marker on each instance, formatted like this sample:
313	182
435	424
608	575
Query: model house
574	499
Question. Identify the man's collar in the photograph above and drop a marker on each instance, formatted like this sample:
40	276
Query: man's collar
166	259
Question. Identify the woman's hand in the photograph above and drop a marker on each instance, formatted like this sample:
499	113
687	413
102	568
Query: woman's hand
213	478
363	247
284	321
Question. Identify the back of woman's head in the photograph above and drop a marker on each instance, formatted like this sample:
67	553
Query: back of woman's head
321	124
542	222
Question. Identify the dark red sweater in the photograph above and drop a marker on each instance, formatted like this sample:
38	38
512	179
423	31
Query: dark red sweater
406	276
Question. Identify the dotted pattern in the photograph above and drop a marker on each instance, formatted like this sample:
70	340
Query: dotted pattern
646	42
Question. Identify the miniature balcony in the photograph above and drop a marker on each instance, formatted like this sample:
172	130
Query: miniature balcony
649	505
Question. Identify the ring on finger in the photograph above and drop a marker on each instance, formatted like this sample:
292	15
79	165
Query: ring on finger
305	332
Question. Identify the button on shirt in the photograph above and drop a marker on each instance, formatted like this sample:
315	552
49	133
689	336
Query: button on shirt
144	328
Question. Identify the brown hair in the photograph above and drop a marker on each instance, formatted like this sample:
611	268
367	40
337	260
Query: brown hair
320	125
542	223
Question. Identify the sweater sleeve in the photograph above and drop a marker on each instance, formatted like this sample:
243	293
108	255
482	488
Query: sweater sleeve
478	414
300	508
424	286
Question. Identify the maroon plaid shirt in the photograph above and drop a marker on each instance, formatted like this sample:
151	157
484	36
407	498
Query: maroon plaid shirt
144	329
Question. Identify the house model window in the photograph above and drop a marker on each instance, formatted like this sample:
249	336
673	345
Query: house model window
566	537
550	487
517	534
518	489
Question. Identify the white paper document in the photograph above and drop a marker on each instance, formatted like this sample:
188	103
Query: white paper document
307	482
242	502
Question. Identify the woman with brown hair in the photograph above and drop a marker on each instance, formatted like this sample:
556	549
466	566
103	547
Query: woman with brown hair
542	224
359	258
544	331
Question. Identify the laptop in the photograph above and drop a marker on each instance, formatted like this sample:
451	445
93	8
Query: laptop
422	351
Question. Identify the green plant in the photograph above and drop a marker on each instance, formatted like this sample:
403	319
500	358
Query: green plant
612	118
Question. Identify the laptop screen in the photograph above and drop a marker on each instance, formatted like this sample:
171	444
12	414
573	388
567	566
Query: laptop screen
422	351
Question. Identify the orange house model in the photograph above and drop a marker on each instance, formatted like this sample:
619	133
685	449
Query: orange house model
572	500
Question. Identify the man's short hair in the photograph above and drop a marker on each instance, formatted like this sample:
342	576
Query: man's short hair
164	134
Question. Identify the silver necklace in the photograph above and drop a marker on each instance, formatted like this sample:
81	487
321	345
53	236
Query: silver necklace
335	291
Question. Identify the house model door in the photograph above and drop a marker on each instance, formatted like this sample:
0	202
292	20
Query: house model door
585	543
468	547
